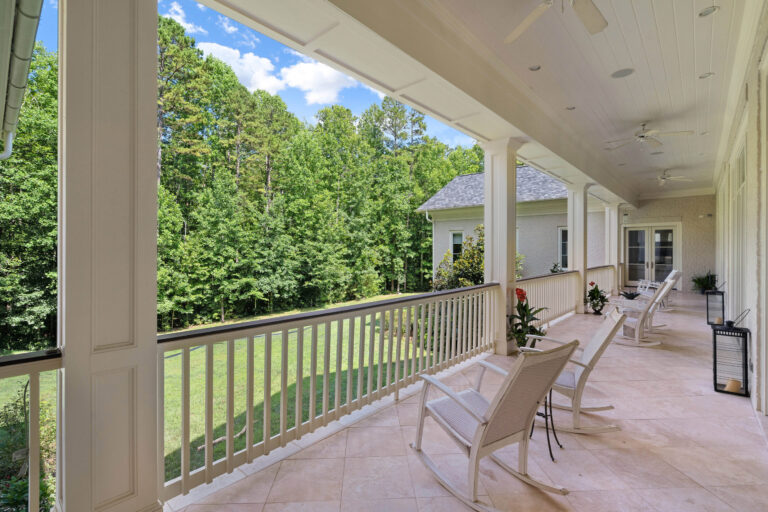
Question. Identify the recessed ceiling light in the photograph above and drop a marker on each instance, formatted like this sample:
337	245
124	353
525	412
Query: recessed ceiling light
534	68
657	153
570	108
622	73
712	9
704	133
622	164
706	75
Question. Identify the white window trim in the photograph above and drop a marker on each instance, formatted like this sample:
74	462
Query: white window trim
450	240
560	230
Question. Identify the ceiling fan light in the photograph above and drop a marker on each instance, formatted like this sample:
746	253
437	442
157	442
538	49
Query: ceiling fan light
712	9
621	73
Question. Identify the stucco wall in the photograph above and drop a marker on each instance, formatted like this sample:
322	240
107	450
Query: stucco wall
537	239
537	236
698	229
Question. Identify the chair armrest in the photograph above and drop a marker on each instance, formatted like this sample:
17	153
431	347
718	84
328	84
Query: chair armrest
430	380
579	363
529	349
553	340
493	368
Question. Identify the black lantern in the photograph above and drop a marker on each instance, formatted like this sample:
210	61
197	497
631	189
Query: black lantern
715	307
730	353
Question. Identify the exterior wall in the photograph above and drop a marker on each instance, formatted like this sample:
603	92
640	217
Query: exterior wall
697	240
537	236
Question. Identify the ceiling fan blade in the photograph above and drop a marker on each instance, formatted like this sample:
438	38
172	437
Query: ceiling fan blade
618	140
678	178
662	181
667	134
528	21
654	143
590	16
627	141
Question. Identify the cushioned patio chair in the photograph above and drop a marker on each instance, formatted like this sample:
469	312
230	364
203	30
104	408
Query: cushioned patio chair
572	381
481	427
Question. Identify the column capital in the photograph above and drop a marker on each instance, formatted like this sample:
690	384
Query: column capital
580	186
503	144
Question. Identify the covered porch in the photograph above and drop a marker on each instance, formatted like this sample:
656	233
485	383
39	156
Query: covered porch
681	445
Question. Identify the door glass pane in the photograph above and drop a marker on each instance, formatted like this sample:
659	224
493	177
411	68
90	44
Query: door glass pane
635	254
663	253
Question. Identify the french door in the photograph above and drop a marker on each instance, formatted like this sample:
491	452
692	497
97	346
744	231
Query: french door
651	252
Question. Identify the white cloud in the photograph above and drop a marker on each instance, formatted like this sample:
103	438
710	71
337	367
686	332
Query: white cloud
320	83
254	72
54	3
226	24
201	7
250	40
177	13
374	91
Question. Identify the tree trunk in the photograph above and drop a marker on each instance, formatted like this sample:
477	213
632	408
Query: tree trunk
268	186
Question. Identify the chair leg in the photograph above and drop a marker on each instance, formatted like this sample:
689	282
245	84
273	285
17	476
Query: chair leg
474	468
422	417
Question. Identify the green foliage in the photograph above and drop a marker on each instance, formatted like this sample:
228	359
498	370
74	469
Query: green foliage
629	295
702	283
556	268
596	297
522	323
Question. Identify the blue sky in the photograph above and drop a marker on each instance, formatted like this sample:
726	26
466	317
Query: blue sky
305	85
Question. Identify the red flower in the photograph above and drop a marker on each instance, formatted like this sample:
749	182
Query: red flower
591	283
521	295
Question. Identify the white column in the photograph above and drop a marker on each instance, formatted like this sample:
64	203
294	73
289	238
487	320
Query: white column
577	237
108	214
613	243
500	226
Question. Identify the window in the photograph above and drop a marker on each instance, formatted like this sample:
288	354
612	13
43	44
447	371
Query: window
562	247
457	241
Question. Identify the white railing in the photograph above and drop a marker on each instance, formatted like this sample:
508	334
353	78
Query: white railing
559	293
604	276
23	372
231	394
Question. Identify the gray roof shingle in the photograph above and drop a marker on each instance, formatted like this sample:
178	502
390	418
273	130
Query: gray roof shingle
467	190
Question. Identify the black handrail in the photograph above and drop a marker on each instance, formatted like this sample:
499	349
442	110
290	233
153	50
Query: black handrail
310	315
30	357
551	274
599	266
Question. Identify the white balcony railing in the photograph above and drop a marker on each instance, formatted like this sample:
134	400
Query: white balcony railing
604	276
559	293
23	372
231	394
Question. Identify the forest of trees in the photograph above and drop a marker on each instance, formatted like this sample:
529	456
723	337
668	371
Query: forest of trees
258	211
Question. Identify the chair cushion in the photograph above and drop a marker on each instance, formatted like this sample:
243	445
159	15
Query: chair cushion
455	415
566	379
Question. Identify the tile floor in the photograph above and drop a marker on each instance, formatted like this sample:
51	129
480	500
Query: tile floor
681	447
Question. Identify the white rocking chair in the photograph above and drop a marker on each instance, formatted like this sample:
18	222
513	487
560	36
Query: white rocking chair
636	326
571	382
480	427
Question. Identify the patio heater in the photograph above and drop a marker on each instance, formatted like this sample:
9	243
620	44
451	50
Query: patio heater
730	347
715	307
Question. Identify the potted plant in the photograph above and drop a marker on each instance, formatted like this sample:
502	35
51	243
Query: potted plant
702	283
556	268
521	323
596	298
630	295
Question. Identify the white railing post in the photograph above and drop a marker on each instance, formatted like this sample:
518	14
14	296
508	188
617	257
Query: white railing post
613	247
500	228
577	237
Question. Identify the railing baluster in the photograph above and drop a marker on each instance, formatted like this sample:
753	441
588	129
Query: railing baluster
429	355
350	362
33	442
283	386
442	323
267	391
414	345
390	346
371	344
299	380
230	405
326	371
398	335
406	339
476	323
312	380
209	413
249	391
185	421
337	380
422	332
463	327
361	362
380	370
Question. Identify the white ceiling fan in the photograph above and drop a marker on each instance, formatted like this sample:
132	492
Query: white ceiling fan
646	137
664	177
589	15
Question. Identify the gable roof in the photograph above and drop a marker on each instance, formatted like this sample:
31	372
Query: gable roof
467	190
